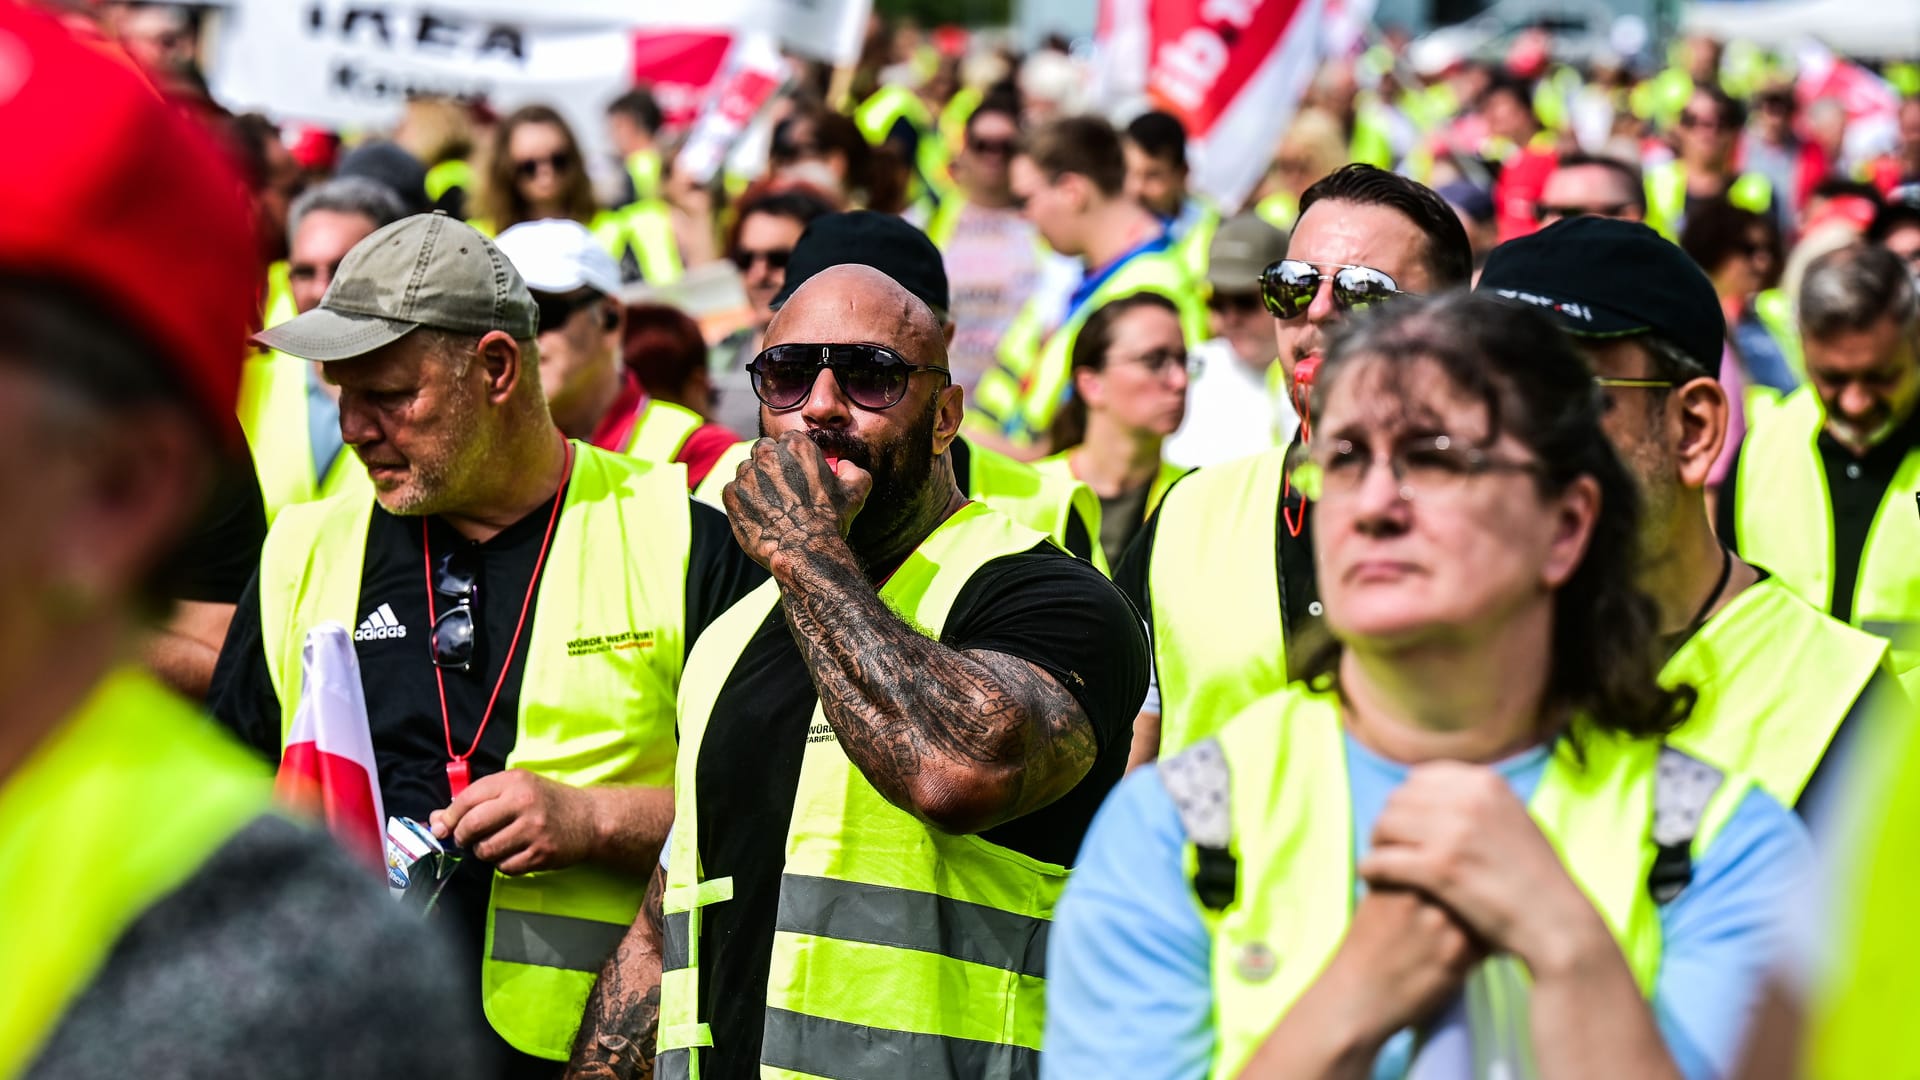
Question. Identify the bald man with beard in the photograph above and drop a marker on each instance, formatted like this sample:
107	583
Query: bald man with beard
888	754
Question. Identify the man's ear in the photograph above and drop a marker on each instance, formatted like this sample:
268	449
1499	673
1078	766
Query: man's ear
502	359
1697	429
948	412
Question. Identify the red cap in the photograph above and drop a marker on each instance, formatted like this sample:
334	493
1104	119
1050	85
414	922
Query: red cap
112	190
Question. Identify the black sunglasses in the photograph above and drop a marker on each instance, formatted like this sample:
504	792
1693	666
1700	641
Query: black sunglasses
529	168
1237	302
775	258
1290	285
999	147
556	308
455	631
872	376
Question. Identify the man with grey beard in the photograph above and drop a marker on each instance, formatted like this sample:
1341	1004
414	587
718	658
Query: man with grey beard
498	572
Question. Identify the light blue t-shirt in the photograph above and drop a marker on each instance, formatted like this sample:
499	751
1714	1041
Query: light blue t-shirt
1129	961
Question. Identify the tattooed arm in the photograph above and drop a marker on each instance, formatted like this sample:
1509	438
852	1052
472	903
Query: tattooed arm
618	1033
963	740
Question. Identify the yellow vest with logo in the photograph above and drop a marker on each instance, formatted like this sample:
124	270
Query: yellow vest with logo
273	413
644	230
603	664
1020	491
1213	582
662	430
111	813
1290	831
901	950
1775	679
1019	395
1785	523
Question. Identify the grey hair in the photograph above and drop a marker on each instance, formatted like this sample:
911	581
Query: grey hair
1853	289
348	195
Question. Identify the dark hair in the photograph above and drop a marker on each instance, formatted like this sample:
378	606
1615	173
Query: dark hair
1732	114
1890	219
1606	654
999	102
1090	347
1083	145
1853	289
663	346
500	201
639	106
1839	187
1161	136
1717	231
1505	82
1449	254
252	135
795	202
1629	177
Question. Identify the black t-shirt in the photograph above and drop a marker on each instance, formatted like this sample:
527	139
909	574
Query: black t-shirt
214	561
1856	486
403	702
1079	538
1042	606
1299	597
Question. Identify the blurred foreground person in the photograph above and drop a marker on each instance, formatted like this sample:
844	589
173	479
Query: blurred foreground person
1475	770
888	756
158	916
1647	319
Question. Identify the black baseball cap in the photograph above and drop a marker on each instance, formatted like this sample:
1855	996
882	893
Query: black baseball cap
1606	278
882	241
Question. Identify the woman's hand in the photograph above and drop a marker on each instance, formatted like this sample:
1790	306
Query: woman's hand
1457	833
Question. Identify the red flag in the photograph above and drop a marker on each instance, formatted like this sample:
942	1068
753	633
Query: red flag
327	769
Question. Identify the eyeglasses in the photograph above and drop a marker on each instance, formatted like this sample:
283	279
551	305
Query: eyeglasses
1158	362
556	308
455	631
1695	120
775	258
1423	468
1290	285
994	147
1235	303
1546	212
528	168
1633	384
872	376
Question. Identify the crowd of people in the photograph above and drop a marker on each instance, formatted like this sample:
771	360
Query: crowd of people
984	646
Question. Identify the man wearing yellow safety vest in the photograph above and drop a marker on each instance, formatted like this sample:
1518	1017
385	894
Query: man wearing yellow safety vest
158	915
591	392
1223	571
1156	151
288	411
1823	491
1071	174
639	230
1061	507
898	117
1707	135
498	572
1648	321
888	755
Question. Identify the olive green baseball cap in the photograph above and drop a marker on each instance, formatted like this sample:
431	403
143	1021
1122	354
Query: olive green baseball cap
424	270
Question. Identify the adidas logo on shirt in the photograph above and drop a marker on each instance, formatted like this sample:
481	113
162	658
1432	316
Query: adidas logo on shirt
380	625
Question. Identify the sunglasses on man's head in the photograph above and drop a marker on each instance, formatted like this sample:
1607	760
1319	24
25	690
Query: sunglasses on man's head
1290	285
528	168
872	376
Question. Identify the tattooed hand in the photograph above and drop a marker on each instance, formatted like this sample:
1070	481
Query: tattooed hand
786	499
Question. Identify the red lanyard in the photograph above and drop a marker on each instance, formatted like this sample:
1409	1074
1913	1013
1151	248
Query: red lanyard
458	774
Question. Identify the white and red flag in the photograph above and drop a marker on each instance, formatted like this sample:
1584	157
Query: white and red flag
327	769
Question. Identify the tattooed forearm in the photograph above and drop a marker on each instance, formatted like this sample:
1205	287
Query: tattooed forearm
620	1028
962	740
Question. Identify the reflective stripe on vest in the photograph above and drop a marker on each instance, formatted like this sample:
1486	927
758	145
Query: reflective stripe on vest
273	413
596	703
662	429
897	949
1291	826
1213	582
1041	502
111	812
1759	712
1780	478
641	232
1021	392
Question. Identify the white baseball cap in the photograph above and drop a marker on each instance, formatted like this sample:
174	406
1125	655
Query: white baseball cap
558	256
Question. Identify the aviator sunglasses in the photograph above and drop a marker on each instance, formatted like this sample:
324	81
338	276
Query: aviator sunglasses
872	376
1290	285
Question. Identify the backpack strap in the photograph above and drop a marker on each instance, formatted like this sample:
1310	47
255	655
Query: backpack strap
1198	781
1683	785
